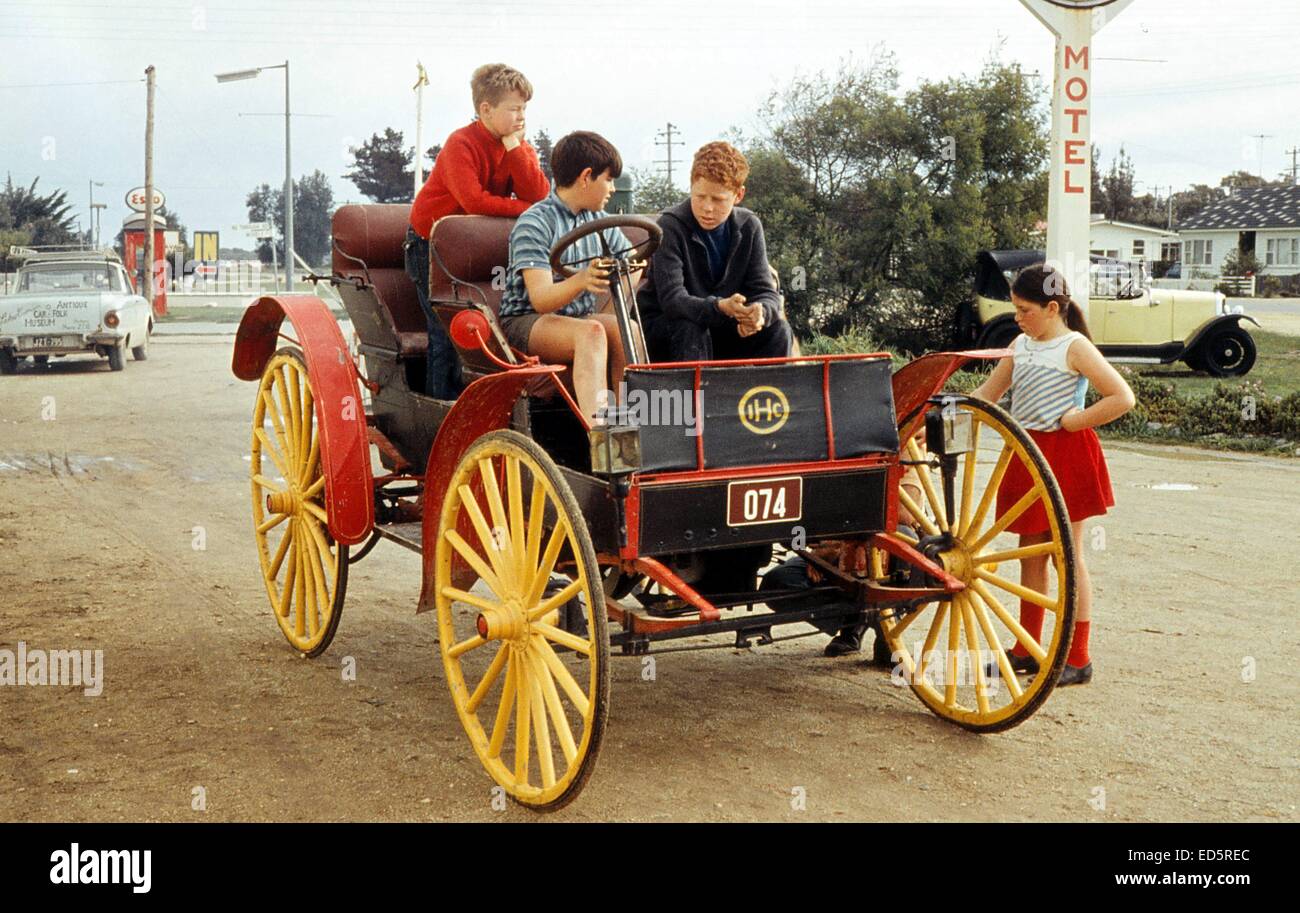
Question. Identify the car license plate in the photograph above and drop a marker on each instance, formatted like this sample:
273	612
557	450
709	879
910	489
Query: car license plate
49	342
764	501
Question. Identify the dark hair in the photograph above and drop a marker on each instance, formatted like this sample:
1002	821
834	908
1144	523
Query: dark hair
1041	284
583	149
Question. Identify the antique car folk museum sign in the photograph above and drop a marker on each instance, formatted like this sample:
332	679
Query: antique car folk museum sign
1069	193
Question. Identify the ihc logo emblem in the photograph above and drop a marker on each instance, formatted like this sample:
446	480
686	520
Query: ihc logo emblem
763	409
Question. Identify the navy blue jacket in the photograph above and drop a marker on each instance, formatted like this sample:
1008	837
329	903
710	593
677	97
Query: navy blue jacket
679	284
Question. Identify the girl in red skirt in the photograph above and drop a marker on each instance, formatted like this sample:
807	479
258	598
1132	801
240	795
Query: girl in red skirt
1052	362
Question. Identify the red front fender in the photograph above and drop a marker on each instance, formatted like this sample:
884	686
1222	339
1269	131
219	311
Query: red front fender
485	406
918	380
340	413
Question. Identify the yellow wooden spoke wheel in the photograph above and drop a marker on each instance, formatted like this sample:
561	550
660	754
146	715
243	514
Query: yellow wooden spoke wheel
304	569
529	675
946	650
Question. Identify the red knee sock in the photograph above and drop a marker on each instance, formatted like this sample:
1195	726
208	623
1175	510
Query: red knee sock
1079	646
1031	619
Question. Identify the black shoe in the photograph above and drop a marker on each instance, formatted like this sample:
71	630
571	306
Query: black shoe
1075	675
881	655
849	640
1024	665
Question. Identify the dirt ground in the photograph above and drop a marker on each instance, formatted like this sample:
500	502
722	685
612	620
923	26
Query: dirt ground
104	478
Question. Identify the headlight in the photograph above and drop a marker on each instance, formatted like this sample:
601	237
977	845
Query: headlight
111	320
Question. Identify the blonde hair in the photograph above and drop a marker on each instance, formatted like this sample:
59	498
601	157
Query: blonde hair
492	81
721	163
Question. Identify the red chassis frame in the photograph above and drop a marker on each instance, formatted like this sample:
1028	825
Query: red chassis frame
486	405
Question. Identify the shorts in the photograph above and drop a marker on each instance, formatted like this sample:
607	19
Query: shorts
517	328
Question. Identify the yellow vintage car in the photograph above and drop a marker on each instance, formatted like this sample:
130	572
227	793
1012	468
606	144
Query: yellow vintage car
1129	321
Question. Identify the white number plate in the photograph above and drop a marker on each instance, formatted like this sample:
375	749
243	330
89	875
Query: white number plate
764	501
49	342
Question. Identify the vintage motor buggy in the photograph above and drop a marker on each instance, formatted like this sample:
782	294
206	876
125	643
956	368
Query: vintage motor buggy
548	544
1129	321
69	302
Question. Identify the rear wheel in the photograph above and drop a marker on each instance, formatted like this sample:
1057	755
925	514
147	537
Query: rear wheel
949	673
999	334
8	362
1229	352
40	360
141	352
304	570
531	689
116	358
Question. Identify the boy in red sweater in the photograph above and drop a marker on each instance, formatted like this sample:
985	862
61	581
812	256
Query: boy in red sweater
485	168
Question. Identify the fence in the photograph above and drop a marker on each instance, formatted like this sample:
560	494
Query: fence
1241	286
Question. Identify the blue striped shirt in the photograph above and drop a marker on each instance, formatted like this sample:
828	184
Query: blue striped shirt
541	225
1043	385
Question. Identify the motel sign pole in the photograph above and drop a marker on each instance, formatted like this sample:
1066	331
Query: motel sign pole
1069	194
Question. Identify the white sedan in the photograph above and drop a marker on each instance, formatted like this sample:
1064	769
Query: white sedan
73	303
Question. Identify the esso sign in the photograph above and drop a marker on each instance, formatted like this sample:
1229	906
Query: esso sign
136	199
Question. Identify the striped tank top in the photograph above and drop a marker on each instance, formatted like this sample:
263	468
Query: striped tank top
1043	386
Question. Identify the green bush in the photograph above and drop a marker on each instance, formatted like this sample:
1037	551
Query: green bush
1238	416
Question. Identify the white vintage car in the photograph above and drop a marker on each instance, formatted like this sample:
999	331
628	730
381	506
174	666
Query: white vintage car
71	302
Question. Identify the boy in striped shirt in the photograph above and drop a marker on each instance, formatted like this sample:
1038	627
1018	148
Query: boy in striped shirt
557	319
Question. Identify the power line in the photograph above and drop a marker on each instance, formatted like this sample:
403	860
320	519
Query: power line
52	85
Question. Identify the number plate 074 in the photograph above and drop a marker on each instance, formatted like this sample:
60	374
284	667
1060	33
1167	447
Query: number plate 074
764	501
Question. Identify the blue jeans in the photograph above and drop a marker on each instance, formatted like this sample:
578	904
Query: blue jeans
442	380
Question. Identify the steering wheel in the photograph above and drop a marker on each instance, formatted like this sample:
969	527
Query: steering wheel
640	251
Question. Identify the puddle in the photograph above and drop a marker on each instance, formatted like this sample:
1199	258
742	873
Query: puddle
64	464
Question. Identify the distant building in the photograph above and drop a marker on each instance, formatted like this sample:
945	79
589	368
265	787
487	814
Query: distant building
1264	221
1127	241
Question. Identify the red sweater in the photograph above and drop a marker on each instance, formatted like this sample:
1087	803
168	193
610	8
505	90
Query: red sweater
474	174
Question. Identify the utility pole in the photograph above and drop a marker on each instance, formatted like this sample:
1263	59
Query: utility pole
288	192
421	81
1293	152
668	142
148	189
1170	199
1261	137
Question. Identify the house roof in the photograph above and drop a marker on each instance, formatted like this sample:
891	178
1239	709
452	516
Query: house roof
1277	206
1134	227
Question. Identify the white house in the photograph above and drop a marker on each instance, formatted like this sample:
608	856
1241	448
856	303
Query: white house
1264	221
1126	241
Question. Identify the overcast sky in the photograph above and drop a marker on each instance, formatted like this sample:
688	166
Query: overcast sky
1227	72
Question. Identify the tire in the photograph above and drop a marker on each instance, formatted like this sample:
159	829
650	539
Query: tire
1229	352
8	362
40	360
508	632
141	352
116	358
291	515
999	334
975	618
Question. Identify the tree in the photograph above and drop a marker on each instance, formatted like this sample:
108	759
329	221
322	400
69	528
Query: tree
44	218
313	202
432	155
381	167
651	192
875	205
542	143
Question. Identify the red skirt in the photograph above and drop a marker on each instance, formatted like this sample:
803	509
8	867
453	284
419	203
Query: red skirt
1080	469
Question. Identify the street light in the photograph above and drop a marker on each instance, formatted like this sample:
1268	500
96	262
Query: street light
234	76
94	238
